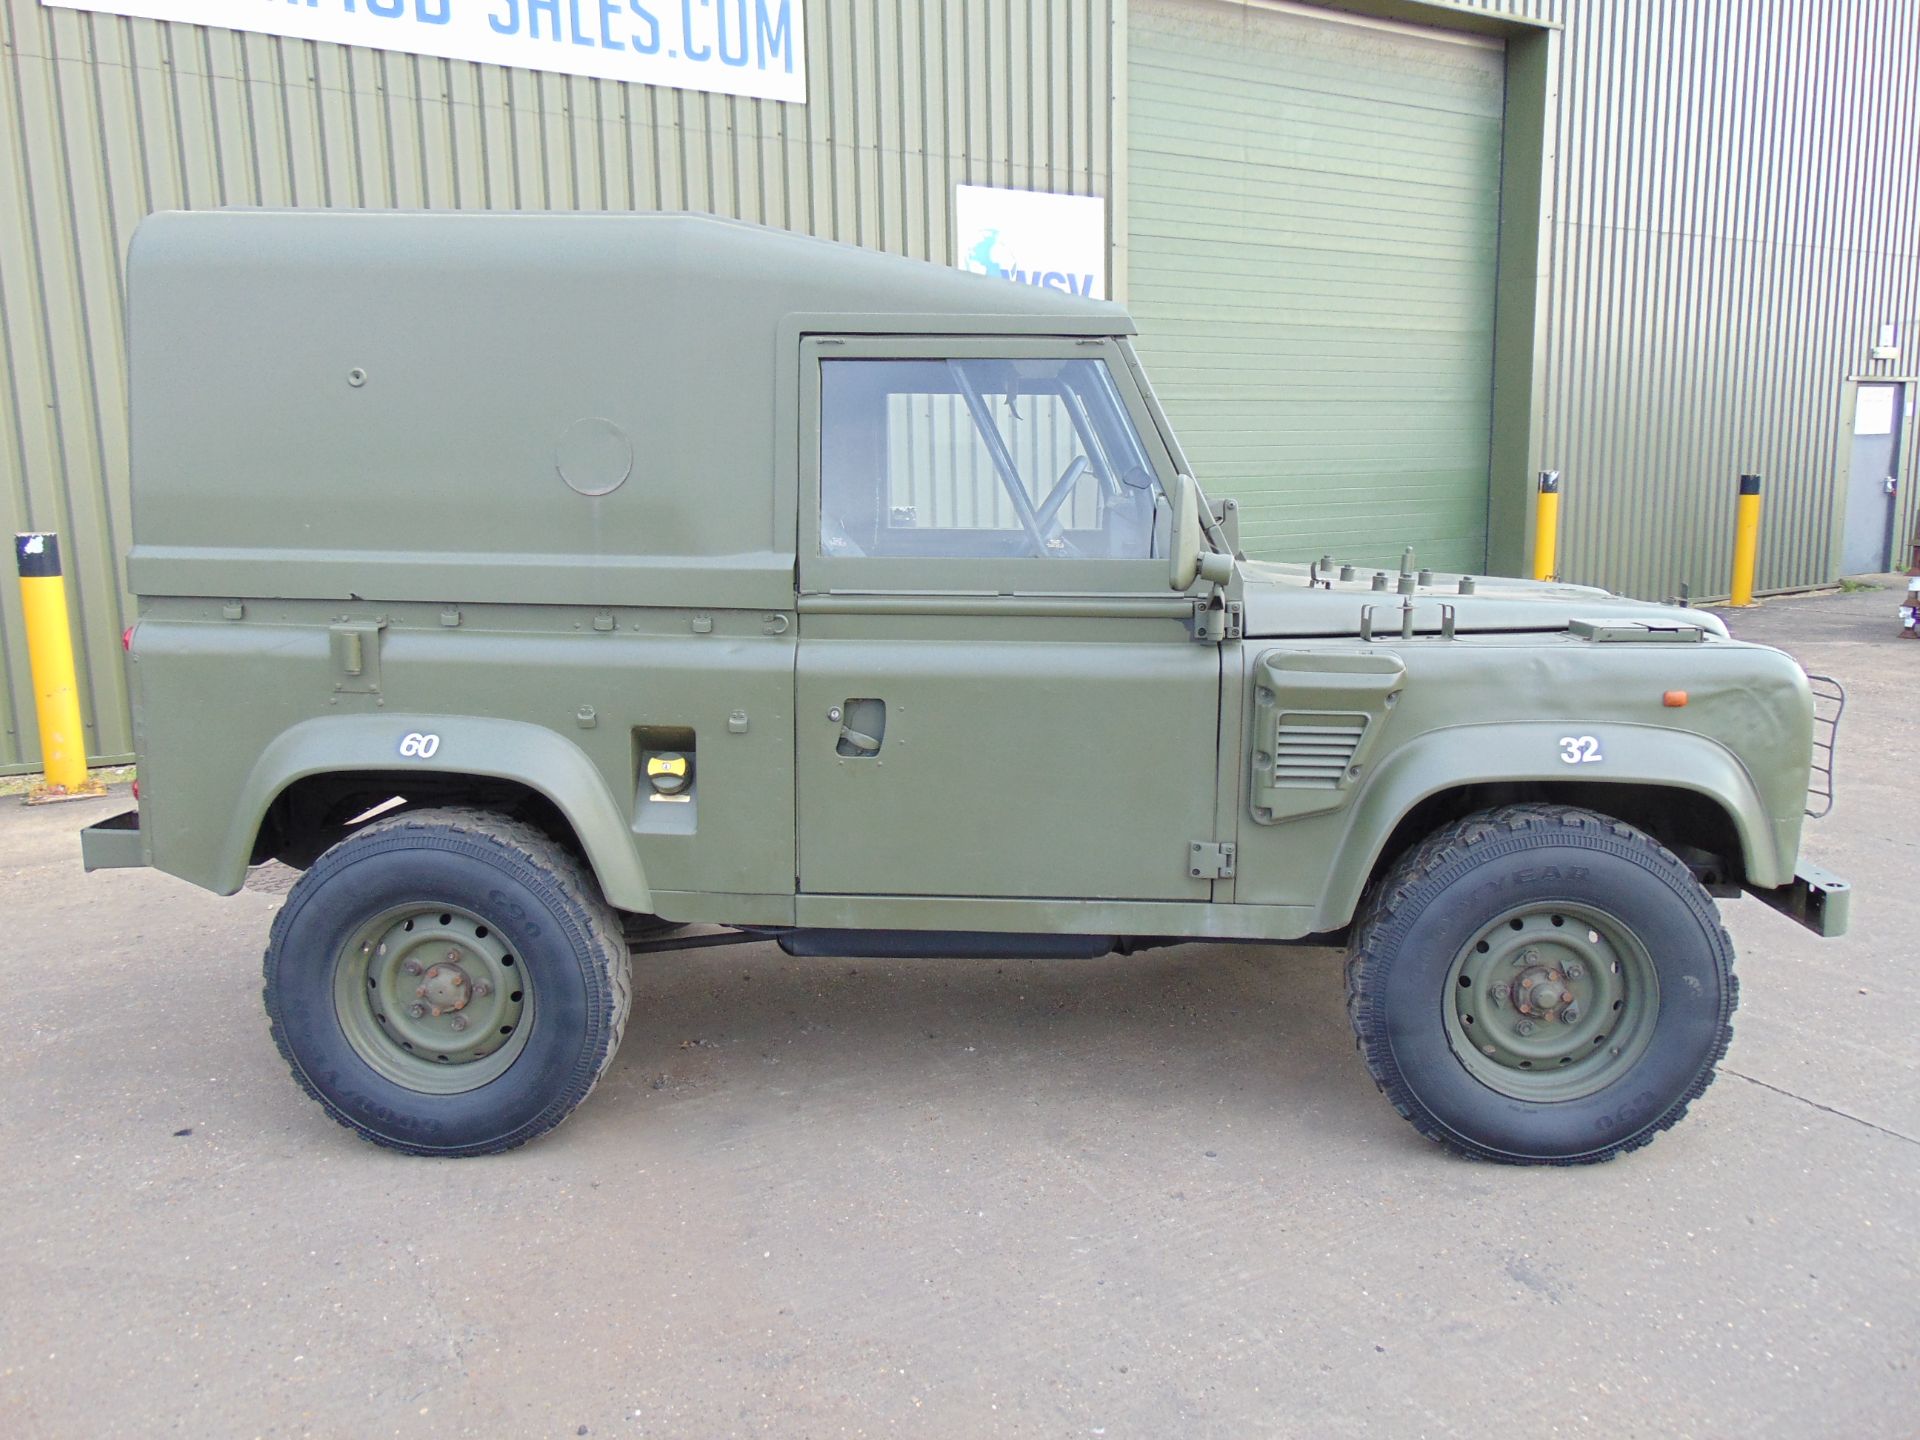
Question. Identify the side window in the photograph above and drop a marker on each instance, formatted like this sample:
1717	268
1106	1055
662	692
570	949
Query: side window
981	458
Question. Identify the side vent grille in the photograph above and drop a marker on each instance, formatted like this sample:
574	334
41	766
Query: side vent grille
1313	751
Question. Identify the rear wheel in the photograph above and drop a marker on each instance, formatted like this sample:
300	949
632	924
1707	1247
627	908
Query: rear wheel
447	982
1541	985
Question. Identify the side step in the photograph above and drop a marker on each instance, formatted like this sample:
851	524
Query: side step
943	945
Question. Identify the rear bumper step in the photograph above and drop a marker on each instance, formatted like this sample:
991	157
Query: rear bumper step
114	844
1818	899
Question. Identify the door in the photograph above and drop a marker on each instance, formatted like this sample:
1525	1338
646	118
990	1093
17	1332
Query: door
998	695
1870	479
1313	220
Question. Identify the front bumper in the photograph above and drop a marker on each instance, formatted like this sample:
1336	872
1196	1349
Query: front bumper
1818	899
114	844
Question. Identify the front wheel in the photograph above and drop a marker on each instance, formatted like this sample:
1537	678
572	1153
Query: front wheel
447	982
1540	984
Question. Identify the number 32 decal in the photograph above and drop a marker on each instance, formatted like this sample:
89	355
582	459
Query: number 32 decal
1580	750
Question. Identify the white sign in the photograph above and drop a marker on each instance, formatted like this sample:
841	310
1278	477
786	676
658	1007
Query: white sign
1873	410
1058	242
734	47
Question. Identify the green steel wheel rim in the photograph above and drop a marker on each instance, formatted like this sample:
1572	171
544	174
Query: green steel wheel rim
433	998
1551	1002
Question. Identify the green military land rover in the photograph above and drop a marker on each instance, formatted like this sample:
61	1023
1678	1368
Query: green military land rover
541	585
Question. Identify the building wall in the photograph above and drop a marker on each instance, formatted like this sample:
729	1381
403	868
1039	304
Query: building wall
104	119
1734	215
1736	212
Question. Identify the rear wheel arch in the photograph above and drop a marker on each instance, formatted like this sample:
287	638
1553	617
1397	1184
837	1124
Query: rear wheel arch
313	813
315	779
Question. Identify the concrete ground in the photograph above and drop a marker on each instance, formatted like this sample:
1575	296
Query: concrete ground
1152	1196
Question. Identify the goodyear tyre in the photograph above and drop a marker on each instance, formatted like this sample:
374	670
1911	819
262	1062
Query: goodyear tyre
447	982
1540	984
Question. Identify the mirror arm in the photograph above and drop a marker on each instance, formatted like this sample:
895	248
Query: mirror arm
1210	526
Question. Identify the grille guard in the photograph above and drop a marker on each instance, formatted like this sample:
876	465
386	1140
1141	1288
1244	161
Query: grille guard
1829	704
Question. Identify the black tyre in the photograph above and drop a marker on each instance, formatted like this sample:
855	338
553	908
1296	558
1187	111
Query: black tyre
447	982
1541	985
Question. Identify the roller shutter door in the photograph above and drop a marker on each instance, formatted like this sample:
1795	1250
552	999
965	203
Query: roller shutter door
1312	219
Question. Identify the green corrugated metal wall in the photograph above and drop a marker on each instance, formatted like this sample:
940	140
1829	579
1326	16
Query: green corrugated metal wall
105	119
1312	213
1735	213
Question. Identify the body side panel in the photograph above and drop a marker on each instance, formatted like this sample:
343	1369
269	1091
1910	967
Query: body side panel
538	695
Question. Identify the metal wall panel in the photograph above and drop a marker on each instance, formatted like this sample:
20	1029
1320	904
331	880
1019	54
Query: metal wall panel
104	119
1313	216
1736	212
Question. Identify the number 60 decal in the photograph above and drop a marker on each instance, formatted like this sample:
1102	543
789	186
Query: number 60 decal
1580	750
416	746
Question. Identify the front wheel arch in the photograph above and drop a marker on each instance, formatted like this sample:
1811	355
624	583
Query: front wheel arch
1698	828
1444	774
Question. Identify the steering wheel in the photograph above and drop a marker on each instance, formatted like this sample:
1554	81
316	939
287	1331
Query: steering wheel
1056	497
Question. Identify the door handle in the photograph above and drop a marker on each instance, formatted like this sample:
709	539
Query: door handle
1893	484
863	726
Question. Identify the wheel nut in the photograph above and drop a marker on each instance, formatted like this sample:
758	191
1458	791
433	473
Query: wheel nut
412	967
453	956
433	973
459	1022
421	991
416	1010
1574	972
482	989
1525	1027
1569	1015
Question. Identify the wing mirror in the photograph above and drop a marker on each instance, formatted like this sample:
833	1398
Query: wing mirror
1188	556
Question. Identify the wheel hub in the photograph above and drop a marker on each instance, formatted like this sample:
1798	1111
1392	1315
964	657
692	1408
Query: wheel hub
446	989
1549	1003
1544	992
433	998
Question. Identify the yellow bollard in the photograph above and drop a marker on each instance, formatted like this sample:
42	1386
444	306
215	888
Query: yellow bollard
1746	540
56	695
1546	528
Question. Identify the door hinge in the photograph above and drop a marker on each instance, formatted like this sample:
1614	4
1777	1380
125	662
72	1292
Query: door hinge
1210	860
1216	619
